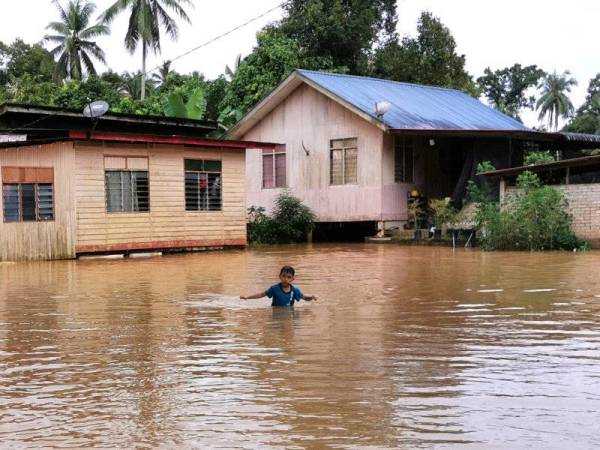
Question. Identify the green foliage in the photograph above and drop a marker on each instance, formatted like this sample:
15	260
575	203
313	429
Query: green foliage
193	108
535	217
271	61
146	18
554	102
485	166
533	158
442	211
587	118
290	222
506	89
430	58
343	32
73	38
19	59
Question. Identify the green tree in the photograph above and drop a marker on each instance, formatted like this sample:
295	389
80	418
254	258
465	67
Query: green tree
19	58
131	85
506	89
429	58
344	31
587	117
145	20
160	77
73	36
554	101
271	61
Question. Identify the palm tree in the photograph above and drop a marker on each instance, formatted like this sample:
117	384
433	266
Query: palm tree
554	102
131	84
145	20
229	72
163	72
73	36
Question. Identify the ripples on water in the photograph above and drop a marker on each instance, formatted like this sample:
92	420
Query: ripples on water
408	347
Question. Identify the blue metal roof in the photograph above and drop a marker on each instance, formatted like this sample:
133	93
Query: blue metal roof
415	107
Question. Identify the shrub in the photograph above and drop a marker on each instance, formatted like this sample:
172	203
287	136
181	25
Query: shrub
442	211
533	218
290	222
534	158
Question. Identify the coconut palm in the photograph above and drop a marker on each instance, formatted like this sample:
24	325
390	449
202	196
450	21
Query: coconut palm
163	72
229	72
145	20
74	38
131	84
554	102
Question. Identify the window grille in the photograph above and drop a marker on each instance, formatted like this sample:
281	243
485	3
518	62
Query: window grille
28	202
203	185
127	191
274	167
403	160
344	161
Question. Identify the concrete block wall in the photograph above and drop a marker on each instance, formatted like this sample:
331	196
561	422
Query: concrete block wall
584	207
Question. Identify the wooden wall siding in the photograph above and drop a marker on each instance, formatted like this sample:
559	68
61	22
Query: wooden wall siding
309	119
167	224
43	240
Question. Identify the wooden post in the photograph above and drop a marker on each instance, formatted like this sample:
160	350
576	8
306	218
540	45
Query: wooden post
502	188
568	176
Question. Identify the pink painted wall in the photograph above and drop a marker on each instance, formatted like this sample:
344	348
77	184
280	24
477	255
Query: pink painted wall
309	119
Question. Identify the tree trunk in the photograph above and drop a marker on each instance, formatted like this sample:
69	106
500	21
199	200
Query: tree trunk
143	91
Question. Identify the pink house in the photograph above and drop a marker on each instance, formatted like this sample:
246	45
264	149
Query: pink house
352	148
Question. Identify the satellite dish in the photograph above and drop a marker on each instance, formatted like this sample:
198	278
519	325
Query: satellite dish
95	109
381	108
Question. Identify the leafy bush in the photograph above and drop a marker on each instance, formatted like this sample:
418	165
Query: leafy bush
485	166
443	212
534	158
533	218
290	222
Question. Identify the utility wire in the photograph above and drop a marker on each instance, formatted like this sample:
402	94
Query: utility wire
198	47
216	38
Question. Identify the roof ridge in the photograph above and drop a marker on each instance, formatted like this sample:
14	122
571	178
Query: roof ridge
382	80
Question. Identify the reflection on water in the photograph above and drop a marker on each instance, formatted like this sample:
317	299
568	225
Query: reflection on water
408	347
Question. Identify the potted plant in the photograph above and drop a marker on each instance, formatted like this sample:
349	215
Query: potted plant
443	214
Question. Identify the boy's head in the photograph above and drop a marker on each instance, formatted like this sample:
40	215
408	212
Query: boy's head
286	274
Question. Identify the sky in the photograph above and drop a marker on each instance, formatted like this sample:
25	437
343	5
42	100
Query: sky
554	34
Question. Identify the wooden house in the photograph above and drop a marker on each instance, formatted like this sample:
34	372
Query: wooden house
353	148
73	186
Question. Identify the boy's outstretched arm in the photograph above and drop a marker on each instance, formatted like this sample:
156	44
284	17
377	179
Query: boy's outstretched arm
253	296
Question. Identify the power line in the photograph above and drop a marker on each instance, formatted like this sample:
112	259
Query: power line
216	38
198	47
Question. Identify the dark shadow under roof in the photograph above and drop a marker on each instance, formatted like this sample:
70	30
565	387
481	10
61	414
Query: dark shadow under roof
45	121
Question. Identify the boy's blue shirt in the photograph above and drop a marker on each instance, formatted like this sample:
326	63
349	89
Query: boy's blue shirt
281	298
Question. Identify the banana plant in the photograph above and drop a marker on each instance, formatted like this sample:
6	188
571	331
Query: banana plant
194	108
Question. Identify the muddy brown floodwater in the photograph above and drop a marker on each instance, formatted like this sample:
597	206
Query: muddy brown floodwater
406	348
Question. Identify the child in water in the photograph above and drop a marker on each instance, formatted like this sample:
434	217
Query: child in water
283	293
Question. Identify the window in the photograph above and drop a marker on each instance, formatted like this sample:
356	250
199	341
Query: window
403	160
273	164
203	185
26	202
344	156
28	194
127	191
127	187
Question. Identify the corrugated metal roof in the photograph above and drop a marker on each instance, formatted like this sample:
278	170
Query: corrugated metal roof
414	107
581	137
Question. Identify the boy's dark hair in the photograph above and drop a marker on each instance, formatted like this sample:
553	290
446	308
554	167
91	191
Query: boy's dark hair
287	269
